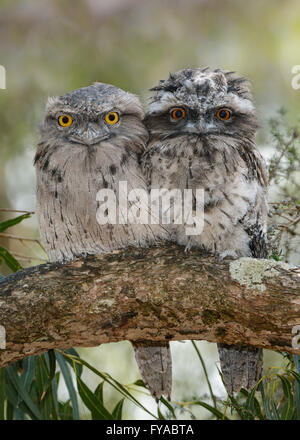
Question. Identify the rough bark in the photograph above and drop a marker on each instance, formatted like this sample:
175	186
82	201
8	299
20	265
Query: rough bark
155	295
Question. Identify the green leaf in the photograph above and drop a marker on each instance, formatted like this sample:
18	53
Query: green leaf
252	405
167	404
297	386
266	401
43	386
41	375
69	383
274	409
19	415
57	377
28	372
212	409
140	383
159	414
14	221
287	412
52	364
213	398
114	383
239	408
99	392
54	400
19	388
9	411
73	352
2	393
98	411
11	393
14	404
65	410
11	262
117	412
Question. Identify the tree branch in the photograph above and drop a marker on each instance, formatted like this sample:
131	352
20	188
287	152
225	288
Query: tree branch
153	295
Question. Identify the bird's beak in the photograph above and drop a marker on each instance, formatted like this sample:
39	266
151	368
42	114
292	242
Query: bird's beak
195	127
90	136
92	140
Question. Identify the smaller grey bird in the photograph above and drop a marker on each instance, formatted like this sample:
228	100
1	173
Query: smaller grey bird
91	139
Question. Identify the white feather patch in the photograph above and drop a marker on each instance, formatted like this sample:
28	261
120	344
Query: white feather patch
240	104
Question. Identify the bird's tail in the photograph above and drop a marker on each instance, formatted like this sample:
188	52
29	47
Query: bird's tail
155	365
241	366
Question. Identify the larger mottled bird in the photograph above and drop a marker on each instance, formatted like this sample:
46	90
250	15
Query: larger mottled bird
202	128
91	139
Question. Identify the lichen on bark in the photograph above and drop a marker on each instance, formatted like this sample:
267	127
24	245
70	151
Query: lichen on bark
252	272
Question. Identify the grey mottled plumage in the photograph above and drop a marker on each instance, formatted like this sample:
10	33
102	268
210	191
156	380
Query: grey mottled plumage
75	160
202	128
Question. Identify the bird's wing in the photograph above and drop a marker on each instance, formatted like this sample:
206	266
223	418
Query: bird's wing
255	220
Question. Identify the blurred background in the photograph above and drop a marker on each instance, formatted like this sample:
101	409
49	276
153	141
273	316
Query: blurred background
49	48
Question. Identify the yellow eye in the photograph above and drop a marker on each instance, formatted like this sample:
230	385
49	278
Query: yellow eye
224	114
177	113
111	118
65	120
